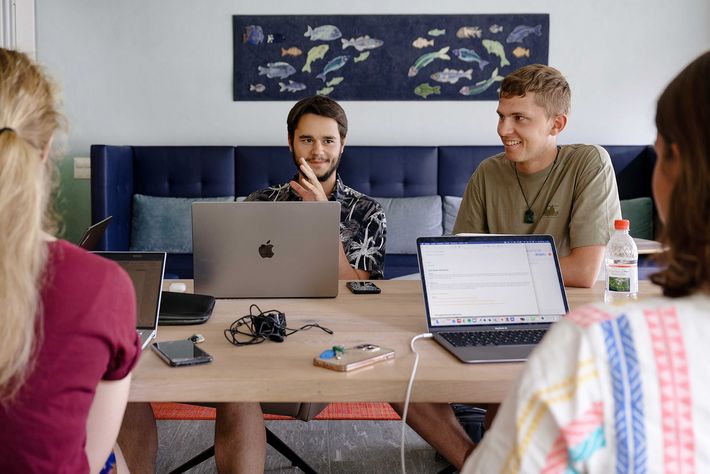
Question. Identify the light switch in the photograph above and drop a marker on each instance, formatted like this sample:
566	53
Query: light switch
82	168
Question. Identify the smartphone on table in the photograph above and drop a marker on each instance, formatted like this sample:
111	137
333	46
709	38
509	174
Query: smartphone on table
363	287
180	353
345	359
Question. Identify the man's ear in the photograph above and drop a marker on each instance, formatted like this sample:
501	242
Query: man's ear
290	144
558	124
342	144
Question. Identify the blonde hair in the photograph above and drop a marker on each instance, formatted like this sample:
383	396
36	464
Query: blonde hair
551	89
28	119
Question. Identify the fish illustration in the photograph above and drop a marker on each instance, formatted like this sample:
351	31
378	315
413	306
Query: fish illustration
291	86
519	52
482	85
420	43
257	88
325	90
275	38
362	57
426	59
362	43
436	32
452	76
280	69
315	53
495	29
494	47
469	32
323	33
470	56
253	34
335	81
333	65
424	90
520	32
292	51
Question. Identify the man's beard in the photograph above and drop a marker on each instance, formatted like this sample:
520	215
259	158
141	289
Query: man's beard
327	174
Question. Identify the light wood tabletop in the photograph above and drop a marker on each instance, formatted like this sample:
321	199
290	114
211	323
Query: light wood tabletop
283	372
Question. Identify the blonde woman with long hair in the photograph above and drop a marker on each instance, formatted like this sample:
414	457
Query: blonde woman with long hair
67	317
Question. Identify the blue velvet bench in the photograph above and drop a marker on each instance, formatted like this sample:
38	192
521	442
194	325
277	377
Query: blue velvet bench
419	186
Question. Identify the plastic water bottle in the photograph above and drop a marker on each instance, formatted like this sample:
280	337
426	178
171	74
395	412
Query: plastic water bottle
622	276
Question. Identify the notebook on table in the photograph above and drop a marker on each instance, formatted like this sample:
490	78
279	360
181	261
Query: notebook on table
491	298
266	249
146	272
92	235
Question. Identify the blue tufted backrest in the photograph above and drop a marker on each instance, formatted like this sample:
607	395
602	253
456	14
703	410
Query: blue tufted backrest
258	167
457	164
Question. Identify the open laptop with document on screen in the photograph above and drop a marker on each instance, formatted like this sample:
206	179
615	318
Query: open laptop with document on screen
146	272
284	249
491	298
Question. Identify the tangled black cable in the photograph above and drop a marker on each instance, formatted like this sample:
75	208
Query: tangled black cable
269	324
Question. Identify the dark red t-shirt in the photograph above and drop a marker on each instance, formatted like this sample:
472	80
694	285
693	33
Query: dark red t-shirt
89	327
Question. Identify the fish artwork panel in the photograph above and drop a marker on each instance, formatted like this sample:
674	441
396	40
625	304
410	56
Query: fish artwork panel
481	86
426	59
420	43
452	76
436	32
292	51
278	69
521	32
258	88
362	57
495	29
496	48
323	33
253	34
424	90
470	56
362	43
314	54
333	65
335	81
291	86
325	90
469	32
519	52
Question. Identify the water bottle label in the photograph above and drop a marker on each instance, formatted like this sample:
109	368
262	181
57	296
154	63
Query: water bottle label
622	278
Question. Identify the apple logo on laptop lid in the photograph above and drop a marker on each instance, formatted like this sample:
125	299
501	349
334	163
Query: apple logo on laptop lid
266	250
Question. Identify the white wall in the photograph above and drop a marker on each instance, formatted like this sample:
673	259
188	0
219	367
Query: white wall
160	72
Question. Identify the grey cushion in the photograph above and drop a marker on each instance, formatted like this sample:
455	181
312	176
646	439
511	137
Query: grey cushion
164	223
409	218
639	212
451	210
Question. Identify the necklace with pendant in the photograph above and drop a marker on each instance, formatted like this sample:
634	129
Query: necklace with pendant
529	216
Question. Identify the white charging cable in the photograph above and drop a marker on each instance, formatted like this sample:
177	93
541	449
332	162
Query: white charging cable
425	335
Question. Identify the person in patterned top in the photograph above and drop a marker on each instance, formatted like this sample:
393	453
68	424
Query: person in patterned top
625	388
317	129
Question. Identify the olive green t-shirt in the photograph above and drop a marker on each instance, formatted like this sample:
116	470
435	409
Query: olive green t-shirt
577	205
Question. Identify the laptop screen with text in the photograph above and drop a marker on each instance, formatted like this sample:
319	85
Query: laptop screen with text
491	280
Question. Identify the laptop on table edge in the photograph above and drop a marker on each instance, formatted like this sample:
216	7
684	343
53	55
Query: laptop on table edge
146	271
483	288
93	234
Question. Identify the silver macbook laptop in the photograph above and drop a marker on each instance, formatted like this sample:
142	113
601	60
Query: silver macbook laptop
266	249
491	298
146	271
92	235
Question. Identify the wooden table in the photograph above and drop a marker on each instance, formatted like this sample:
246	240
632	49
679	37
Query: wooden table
281	372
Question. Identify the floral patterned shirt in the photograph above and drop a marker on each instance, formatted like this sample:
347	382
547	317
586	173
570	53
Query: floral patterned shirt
363	226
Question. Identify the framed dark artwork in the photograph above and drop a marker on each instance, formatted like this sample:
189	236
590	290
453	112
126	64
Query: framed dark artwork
383	57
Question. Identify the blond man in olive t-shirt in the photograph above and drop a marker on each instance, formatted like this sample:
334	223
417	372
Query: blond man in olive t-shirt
534	186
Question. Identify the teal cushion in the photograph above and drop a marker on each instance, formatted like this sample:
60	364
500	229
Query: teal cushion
409	218
164	223
639	212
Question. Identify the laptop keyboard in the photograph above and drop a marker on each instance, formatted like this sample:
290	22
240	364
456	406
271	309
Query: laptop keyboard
494	338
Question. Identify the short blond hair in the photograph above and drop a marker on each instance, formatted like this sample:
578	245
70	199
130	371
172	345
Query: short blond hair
551	89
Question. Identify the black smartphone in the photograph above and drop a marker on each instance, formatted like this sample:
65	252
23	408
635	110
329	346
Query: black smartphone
363	287
182	352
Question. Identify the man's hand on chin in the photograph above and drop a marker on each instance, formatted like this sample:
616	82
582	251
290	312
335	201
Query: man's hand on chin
308	186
